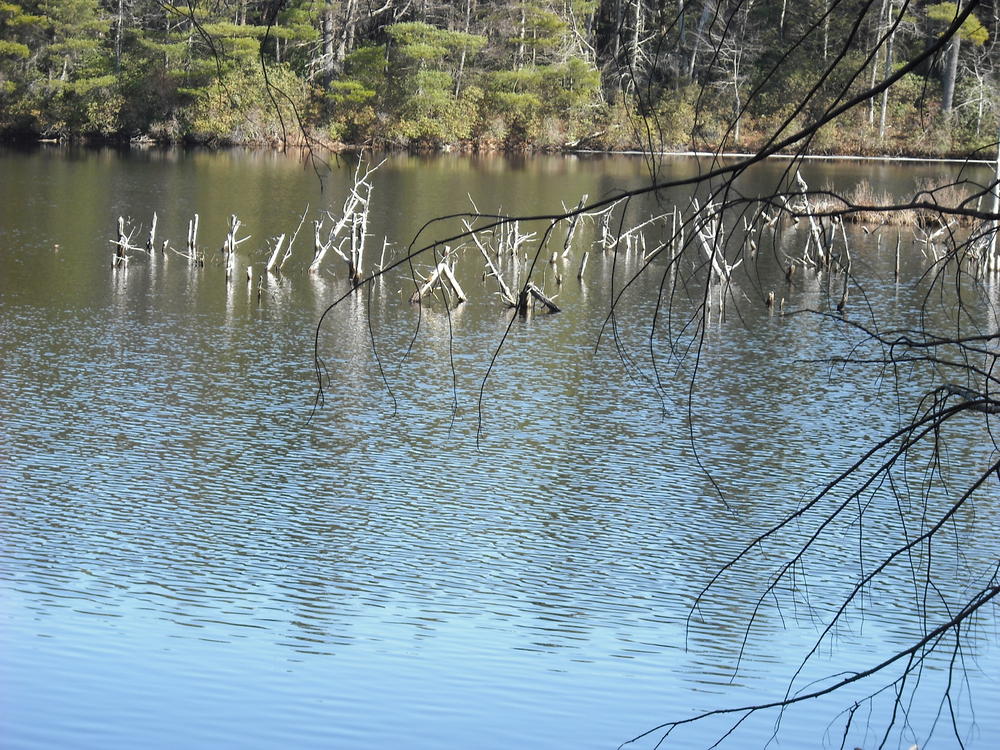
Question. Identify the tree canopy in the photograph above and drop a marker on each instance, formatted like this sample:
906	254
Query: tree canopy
487	74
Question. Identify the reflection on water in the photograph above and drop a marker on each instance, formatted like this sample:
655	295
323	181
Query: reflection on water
186	560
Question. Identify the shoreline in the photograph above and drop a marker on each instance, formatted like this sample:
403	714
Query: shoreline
145	142
790	157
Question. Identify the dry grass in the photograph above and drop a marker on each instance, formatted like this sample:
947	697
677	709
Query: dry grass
866	205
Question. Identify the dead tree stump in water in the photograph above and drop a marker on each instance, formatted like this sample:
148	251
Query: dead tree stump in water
532	292
441	270
192	240
121	259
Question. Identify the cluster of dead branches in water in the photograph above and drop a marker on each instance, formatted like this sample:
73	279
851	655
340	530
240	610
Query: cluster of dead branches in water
345	233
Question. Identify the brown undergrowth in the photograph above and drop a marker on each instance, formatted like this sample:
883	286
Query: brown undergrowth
866	204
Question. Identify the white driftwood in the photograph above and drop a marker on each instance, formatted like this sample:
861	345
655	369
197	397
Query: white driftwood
441	270
813	226
230	245
506	295
272	262
711	240
571	232
381	259
606	239
353	217
450	276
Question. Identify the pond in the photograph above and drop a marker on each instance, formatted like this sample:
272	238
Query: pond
473	556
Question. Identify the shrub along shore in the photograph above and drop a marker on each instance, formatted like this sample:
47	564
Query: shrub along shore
609	134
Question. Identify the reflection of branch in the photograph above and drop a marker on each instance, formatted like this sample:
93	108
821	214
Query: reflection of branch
912	654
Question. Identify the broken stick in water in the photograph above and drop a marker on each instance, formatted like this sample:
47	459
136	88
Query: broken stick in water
530	292
442	269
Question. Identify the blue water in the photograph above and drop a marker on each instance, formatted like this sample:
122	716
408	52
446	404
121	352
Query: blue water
187	560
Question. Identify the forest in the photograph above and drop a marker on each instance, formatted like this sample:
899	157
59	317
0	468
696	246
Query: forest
483	75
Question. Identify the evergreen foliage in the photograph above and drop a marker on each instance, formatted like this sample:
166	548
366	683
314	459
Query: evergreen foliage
489	73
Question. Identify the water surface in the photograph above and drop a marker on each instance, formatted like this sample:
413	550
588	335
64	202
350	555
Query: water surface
187	560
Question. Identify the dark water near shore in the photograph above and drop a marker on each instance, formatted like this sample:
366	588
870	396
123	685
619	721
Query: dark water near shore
187	561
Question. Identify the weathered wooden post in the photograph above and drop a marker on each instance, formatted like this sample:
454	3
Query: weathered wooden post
229	248
381	259
358	222
151	240
120	259
192	239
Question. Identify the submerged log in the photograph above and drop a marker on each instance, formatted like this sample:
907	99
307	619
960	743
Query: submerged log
530	292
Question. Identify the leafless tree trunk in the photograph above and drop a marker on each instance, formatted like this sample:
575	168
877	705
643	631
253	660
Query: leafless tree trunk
950	75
